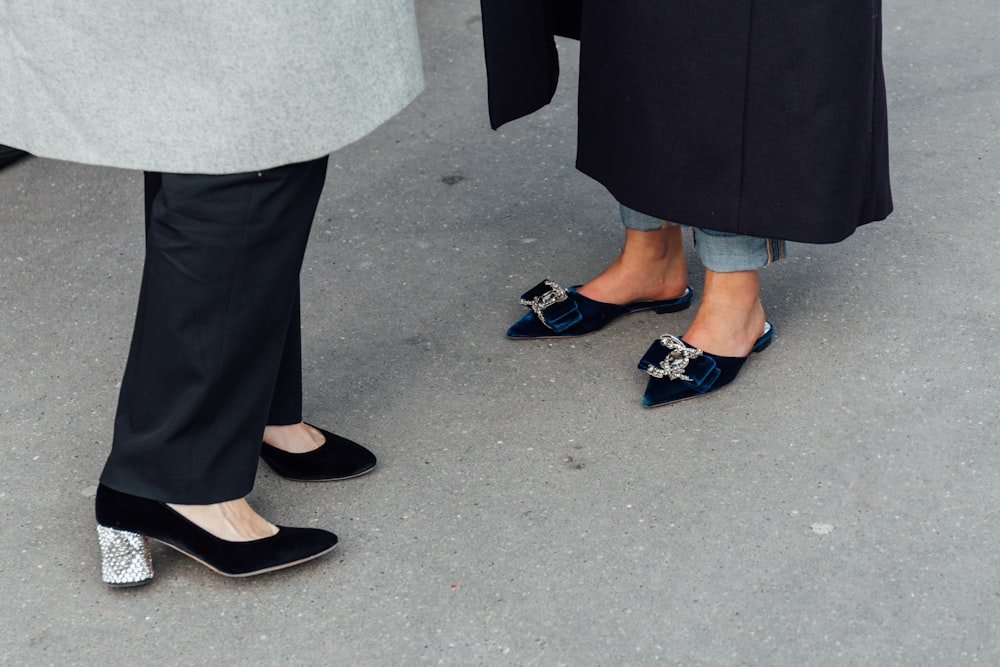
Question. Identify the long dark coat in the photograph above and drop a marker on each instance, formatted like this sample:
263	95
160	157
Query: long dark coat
761	117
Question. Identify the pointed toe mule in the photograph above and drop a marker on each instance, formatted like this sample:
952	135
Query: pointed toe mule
678	371
558	312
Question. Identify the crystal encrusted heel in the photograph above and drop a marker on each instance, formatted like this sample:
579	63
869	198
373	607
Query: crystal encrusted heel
125	558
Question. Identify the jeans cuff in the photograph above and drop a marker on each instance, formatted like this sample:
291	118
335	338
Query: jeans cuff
633	219
724	252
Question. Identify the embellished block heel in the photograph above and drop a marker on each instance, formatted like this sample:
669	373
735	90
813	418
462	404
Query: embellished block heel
125	558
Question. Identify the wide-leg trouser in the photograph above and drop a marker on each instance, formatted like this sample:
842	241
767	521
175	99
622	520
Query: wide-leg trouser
216	350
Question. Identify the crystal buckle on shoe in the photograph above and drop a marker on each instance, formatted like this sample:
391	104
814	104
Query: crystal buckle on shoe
678	358
538	304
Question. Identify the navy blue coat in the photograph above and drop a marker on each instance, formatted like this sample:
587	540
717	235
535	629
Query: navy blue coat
760	117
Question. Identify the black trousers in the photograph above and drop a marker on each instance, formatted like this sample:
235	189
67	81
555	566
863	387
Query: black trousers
216	350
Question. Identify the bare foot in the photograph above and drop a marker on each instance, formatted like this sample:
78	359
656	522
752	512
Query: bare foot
730	318
650	267
294	438
233	520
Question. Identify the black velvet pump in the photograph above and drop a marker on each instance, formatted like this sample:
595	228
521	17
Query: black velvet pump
336	459
125	522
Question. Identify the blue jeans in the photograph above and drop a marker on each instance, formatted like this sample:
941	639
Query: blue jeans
721	252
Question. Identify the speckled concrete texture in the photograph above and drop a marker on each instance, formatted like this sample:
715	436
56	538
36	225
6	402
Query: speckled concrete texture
836	505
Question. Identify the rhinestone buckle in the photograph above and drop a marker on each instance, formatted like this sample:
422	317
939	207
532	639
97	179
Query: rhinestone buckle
539	303
677	360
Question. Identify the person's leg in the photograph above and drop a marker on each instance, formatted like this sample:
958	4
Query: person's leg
218	294
650	266
728	326
286	401
730	317
228	250
294	449
285	429
232	520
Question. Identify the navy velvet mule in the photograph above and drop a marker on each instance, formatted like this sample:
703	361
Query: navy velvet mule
678	371
336	459
558	312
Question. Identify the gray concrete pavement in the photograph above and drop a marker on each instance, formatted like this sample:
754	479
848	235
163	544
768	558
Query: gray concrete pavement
837	505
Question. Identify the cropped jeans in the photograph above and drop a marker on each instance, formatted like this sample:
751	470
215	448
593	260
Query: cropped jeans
722	252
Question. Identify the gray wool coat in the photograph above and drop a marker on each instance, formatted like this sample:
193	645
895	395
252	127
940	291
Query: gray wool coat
202	86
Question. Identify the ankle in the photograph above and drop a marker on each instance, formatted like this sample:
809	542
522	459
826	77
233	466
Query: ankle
294	438
731	317
651	266
661	243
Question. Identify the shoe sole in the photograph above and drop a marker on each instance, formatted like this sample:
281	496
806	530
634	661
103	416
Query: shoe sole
265	570
326	480
662	310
